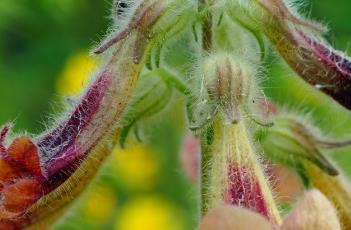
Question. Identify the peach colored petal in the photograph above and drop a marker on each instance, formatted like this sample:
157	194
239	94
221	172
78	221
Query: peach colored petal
226	217
190	157
314	211
287	185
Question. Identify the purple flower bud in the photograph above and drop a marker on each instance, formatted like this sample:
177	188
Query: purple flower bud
42	169
299	43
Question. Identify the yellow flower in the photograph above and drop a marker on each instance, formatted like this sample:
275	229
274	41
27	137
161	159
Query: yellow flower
99	205
136	166
149	213
76	74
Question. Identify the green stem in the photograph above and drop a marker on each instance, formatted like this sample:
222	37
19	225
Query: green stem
206	141
207	135
206	26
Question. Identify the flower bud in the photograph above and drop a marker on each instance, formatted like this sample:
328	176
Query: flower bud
290	139
235	175
229	82
151	95
65	158
232	172
145	14
312	211
148	19
300	43
315	61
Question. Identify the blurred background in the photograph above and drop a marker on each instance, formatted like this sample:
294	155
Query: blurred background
44	59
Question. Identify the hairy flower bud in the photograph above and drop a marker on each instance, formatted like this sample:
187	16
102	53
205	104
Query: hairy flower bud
308	54
148	19
291	139
228	81
145	15
44	167
152	95
235	175
232	172
317	63
228	86
52	169
300	43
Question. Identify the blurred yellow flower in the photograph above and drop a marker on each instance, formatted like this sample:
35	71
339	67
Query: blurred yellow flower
99	205
76	74
149	213
136	166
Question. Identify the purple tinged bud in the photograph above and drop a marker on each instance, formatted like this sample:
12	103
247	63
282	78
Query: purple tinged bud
316	62
228	81
71	153
144	17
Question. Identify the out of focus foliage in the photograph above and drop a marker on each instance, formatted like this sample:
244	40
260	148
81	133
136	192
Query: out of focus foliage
36	39
44	55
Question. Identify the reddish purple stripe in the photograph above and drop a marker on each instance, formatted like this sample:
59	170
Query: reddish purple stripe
60	140
244	190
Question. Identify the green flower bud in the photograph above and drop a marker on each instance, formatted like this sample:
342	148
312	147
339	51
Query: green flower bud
290	140
228	81
152	94
233	172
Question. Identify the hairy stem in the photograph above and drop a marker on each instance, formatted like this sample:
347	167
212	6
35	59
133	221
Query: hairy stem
206	26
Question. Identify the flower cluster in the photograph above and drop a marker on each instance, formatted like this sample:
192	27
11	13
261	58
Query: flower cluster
242	134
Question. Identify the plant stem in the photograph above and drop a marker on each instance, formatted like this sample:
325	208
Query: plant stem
206	135
206	157
206	26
